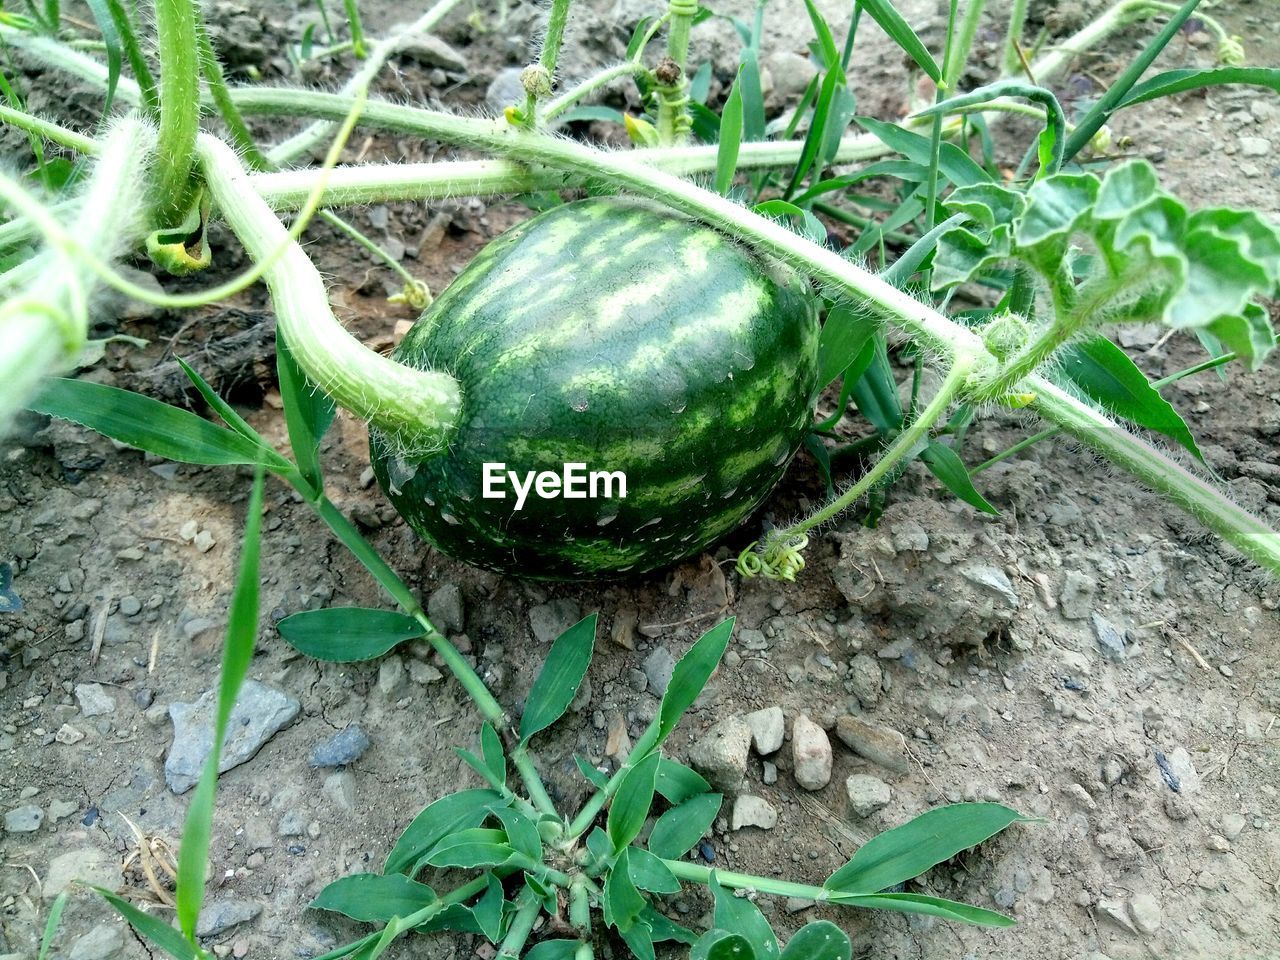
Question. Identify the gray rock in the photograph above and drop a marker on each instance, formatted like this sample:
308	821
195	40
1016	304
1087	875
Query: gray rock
505	89
444	608
259	713
391	677
867	794
1076	599
1182	767
810	754
770	774
752	639
344	747
768	727
549	620
874	742
291	824
1145	912
424	673
1255	146
658	667
752	811
103	942
1232	825
221	915
431	51
1110	637
720	754
24	819
86	864
865	679
93	700
60	809
993	580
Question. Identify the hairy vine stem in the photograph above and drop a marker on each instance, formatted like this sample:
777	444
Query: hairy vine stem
179	106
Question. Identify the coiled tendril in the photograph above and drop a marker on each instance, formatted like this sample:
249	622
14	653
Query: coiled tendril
780	559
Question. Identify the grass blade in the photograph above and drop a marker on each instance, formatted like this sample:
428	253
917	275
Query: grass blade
680	828
51	925
150	425
1180	81
153	929
448	815
348	634
632	801
931	906
111	40
691	675
945	464
884	13
730	139
1101	111
954	164
308	411
242	633
561	676
1052	138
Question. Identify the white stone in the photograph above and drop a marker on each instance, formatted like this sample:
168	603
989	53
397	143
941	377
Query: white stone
753	811
810	754
767	729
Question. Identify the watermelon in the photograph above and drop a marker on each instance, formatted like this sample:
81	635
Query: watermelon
616	335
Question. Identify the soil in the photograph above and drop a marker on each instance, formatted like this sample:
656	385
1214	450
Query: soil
977	638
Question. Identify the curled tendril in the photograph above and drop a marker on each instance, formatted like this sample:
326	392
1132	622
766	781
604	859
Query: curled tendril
1231	51
415	293
778	560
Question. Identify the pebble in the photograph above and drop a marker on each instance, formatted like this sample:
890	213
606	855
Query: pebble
549	620
658	667
130	606
1180	765
23	819
1145	912
445	610
391	677
340	790
720	754
94	701
424	673
865	679
291	824
430	51
204	541
810	754
1232	825
752	811
993	580
874	742
221	915
623	632
101	943
1076	599
618	741
768	727
86	864
60	809
770	772
867	794
1255	146
344	747
69	735
259	713
637	680
1110	637
797	904
1218	844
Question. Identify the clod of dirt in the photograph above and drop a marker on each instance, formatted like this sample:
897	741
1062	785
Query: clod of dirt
752	811
867	794
444	608
344	747
259	713
929	575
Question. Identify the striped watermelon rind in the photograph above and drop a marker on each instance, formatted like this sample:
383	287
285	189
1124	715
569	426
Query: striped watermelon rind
623	336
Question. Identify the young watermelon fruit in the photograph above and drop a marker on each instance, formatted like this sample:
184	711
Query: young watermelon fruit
624	337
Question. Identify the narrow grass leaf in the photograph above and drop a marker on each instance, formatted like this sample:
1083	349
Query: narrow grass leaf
51	925
473	847
1110	379
945	464
219	406
744	917
818	940
905	852
677	783
954	164
691	675
449	814
147	424
495	757
374	897
810	226
488	910
916	256
137	59
111	40
631	802
237	652
153	929
844	334
884	13
722	945
478	765
730	139
753	112
561	676
622	901
1180	81
815	137
347	634
876	392
308	412
679	829
650	873
931	906
553	950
